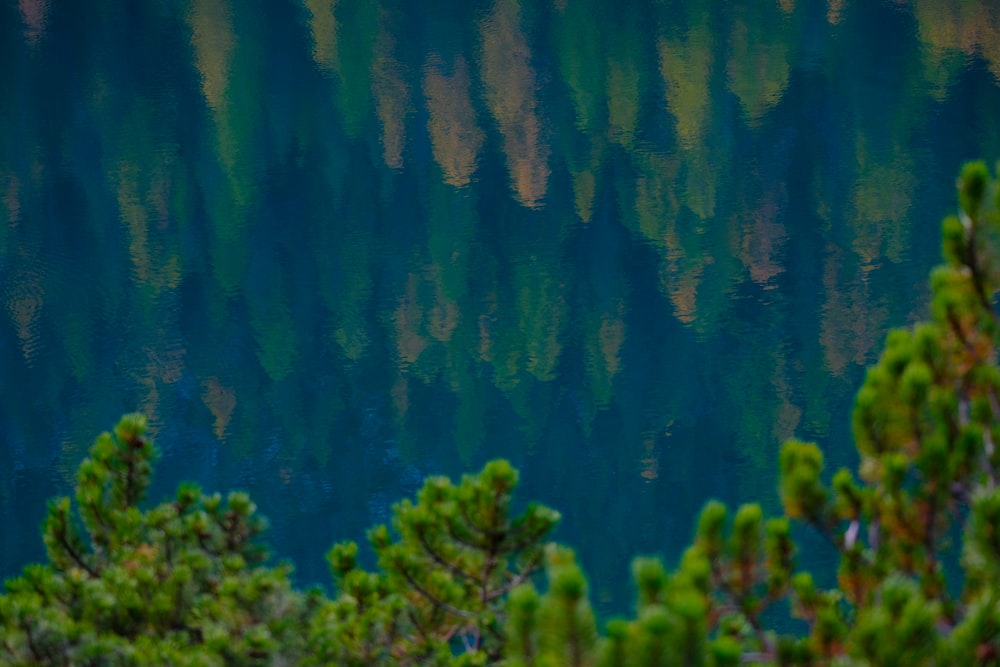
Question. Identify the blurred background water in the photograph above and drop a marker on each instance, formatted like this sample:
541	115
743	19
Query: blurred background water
332	246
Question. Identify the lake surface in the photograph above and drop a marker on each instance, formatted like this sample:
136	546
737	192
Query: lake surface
332	246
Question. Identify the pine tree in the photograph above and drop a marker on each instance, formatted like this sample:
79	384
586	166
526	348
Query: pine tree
445	569
181	583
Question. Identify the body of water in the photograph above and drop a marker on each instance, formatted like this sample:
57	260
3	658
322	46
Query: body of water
332	246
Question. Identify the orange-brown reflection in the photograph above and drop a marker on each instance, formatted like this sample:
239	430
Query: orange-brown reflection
764	237
424	321
163	365
834	11
680	280
220	401
35	15
972	28
408	322
455	137
650	461
142	201
444	314
511	84
24	302
604	340
849	324
12	200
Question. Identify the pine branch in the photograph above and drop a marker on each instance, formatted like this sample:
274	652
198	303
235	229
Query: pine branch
433	599
76	557
446	564
978	281
461	540
523	576
472	524
31	642
526	540
130	480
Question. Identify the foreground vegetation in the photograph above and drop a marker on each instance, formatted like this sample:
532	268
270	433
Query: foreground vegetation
186	582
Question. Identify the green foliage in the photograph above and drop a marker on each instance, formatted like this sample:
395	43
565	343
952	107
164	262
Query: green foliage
186	583
181	583
446	568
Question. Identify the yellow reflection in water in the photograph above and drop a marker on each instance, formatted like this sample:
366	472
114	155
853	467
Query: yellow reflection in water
758	67
455	137
392	99
214	41
134	214
579	46
323	26
949	26
655	200
510	86
623	98
408	322
881	200
542	313
611	336
686	68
